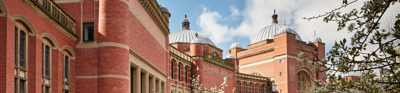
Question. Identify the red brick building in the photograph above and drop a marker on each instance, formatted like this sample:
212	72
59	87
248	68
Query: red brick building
125	46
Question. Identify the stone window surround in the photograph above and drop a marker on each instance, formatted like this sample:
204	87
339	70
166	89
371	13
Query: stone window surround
21	74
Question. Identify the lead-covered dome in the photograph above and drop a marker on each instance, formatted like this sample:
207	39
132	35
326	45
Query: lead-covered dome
164	9
230	56
315	39
186	35
236	45
270	31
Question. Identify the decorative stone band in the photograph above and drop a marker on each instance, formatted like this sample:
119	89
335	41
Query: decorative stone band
218	60
54	15
102	76
247	76
256	53
180	55
154	10
220	64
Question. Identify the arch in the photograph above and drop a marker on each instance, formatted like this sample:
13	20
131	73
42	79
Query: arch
28	24
306	70
3	9
70	51
53	42
304	82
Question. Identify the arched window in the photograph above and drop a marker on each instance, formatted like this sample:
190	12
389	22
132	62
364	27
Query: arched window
303	82
244	87
263	88
68	54
21	41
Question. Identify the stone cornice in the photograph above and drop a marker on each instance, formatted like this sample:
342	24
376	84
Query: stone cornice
53	14
154	10
247	76
256	53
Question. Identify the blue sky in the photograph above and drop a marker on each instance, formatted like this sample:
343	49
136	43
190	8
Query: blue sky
223	20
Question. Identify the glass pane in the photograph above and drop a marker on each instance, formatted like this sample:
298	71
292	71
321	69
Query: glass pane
88	31
22	50
172	70
66	68
179	72
16	47
47	60
16	86
22	86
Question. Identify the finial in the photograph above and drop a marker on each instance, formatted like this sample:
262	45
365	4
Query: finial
229	51
274	11
274	18
235	39
315	33
284	22
185	16
197	35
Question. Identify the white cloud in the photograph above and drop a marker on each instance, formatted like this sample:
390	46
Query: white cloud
257	14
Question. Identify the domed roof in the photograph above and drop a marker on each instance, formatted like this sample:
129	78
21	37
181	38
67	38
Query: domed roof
236	45
315	39
230	56
197	39
270	31
186	35
164	9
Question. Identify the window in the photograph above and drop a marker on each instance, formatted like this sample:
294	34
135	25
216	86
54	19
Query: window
186	74
244	88
280	91
263	88
237	87
66	69
280	61
280	74
256	90
88	31
172	70
46	61
251	88
179	72
20	60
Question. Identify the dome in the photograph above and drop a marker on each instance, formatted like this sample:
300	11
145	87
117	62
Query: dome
164	9
197	39
236	45
230	56
270	31
315	38
186	35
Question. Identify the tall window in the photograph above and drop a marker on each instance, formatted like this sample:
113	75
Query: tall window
46	79
263	88
256	88
172	70
179	72
20	60
244	87
251	88
88	31
186	74
66	69
237	87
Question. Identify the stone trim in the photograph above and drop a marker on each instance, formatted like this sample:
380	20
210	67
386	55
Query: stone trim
45	15
102	76
256	53
154	10
3	9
